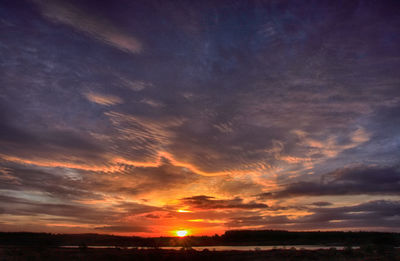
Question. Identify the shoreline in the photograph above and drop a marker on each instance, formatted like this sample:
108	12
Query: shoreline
118	253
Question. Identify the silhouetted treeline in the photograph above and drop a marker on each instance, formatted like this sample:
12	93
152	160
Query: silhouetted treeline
234	237
47	239
276	237
60	254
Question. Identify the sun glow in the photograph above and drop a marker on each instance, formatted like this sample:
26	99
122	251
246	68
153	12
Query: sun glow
181	233
183	211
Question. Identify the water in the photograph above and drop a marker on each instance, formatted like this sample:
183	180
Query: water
229	248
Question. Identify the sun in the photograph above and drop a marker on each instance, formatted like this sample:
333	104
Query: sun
181	233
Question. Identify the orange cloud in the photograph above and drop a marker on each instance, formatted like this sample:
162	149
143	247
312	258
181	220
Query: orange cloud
166	155
106	100
117	164
61	164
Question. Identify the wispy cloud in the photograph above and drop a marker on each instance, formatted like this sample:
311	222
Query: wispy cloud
330	147
152	103
103	99
98	27
135	85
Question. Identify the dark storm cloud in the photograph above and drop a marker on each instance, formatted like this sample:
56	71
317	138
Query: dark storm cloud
373	214
370	180
378	210
379	213
206	202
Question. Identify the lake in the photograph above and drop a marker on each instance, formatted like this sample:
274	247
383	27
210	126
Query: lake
229	248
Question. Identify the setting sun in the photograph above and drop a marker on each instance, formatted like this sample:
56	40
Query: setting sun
181	233
199	123
183	211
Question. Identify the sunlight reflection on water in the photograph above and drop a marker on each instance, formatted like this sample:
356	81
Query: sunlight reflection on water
229	248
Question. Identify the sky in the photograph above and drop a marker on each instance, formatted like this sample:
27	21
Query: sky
146	117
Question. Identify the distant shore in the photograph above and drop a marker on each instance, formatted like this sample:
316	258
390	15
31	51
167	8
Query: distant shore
229	238
232	245
55	253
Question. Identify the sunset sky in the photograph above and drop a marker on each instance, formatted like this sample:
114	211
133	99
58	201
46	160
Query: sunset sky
147	117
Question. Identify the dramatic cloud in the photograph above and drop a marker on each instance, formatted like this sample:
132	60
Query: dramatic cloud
143	117
368	180
380	214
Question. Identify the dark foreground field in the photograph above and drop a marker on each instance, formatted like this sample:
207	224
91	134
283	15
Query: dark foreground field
59	254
